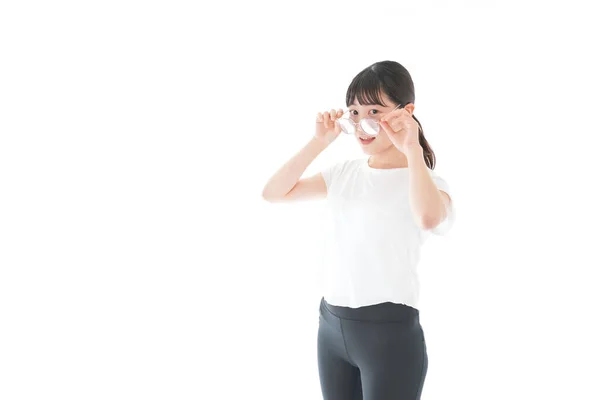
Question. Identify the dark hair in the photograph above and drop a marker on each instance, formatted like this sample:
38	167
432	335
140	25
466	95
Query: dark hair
395	81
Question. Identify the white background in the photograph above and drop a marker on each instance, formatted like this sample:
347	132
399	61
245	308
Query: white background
138	260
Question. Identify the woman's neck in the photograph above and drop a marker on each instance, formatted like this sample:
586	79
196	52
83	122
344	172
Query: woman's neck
391	158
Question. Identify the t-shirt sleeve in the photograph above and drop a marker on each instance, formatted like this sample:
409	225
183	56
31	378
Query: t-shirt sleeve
331	173
448	222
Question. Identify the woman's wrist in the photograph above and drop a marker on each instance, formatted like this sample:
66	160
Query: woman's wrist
320	141
414	153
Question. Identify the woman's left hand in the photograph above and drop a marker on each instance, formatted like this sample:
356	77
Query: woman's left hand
402	129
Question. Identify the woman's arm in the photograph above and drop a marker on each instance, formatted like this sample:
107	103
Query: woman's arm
428	203
286	184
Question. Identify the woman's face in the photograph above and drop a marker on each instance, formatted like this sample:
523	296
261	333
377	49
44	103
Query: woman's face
381	142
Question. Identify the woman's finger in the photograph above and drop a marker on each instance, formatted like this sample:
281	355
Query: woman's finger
333	114
319	117
326	119
386	127
396	124
394	114
337	127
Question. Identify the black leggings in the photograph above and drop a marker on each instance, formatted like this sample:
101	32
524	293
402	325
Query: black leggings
374	352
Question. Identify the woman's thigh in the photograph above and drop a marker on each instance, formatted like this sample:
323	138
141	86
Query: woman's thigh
339	377
392	357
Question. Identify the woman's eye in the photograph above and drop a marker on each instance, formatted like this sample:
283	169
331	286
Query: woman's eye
354	112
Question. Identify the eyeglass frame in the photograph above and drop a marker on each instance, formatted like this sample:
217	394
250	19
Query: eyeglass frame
358	123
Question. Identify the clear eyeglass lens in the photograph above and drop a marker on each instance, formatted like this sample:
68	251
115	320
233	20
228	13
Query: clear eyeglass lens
346	125
370	126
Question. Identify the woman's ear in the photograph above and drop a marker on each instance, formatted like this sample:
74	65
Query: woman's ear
410	107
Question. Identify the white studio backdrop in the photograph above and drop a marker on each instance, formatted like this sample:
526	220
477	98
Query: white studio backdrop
138	260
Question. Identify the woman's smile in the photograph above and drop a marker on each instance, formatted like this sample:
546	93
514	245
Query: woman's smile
365	140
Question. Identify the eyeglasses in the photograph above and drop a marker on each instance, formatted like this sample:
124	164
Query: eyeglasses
370	126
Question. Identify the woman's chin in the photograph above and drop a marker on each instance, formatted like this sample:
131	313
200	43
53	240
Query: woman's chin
369	152
373	150
368	146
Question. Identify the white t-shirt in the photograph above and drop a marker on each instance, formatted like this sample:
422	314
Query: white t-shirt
373	242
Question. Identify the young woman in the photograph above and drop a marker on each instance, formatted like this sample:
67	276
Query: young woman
370	341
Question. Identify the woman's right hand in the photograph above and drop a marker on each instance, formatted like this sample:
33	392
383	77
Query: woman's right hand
328	127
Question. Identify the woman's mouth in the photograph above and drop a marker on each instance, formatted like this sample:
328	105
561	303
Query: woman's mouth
366	140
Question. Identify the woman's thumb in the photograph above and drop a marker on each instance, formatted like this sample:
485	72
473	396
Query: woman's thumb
337	128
